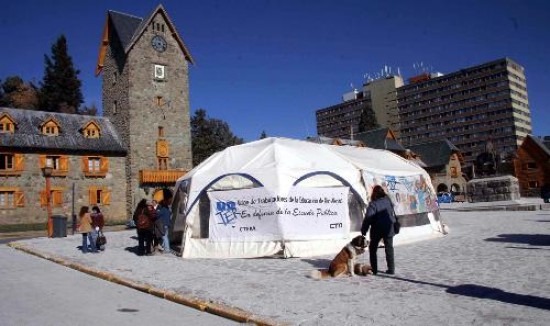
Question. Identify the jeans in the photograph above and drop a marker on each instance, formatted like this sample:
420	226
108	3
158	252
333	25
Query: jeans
84	242
165	240
92	236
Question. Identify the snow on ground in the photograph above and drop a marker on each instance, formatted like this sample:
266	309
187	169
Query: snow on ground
492	269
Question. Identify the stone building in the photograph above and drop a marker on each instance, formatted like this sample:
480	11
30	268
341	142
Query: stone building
443	162
85	152
141	145
144	67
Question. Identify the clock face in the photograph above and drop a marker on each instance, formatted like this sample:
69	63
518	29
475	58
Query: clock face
159	43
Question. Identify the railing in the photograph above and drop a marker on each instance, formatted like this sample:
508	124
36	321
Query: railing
160	176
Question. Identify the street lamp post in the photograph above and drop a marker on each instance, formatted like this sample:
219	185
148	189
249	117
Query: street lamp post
47	170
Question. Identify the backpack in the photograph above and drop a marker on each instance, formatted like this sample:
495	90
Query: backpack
144	222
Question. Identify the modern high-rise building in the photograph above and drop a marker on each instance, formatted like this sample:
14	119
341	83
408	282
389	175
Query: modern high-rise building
473	108
383	95
377	100
342	120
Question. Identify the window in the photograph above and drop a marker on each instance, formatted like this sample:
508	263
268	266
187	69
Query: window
115	107
59	163
56	197
50	128
95	166
454	172
159	72
161	131
11	164
53	161
6	124
99	195
91	130
6	162
11	198
533	184
530	166
159	101
162	163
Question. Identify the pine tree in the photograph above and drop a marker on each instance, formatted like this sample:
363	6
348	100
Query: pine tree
60	87
209	136
16	93
367	120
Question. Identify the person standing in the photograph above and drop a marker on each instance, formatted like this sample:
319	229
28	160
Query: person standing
144	225
165	215
97	225
85	227
380	217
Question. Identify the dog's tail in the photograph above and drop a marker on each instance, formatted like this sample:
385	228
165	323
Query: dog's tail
319	274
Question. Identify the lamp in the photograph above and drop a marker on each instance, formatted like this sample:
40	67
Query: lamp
47	171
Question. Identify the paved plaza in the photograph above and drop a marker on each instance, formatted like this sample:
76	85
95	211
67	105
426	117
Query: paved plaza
491	269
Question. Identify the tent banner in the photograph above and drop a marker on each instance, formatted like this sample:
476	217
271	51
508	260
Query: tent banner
260	214
410	194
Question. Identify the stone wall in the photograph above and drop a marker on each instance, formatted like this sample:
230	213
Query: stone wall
32	182
493	189
147	103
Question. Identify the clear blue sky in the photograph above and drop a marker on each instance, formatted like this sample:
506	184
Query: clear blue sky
269	65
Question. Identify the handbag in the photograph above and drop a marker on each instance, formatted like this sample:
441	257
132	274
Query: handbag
396	226
101	240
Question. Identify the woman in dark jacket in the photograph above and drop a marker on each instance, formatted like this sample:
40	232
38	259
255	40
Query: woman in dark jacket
381	217
98	222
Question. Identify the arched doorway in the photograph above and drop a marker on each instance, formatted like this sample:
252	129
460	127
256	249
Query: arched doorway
455	188
442	188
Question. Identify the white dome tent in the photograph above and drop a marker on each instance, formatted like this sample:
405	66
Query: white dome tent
298	198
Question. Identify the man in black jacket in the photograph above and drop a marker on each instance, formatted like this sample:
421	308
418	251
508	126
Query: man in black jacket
381	217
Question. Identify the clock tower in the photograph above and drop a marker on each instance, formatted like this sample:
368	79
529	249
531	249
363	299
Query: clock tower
145	84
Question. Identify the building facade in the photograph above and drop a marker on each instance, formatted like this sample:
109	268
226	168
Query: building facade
377	101
342	120
469	107
85	154
532	166
443	161
141	145
383	95
145	84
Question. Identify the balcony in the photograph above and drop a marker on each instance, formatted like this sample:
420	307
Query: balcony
160	176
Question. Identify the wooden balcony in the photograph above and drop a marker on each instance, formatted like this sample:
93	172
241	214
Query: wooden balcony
160	176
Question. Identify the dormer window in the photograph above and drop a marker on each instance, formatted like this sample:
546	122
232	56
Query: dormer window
6	124
91	130
50	127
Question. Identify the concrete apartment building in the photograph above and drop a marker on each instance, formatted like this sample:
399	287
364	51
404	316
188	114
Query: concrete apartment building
469	107
378	97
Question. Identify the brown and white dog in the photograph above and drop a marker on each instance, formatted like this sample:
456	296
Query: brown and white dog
344	262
